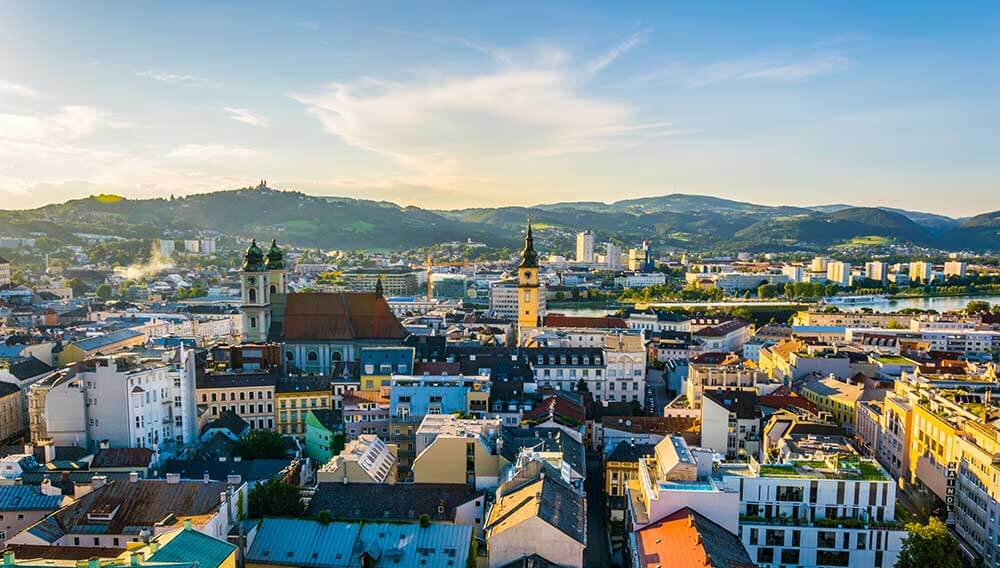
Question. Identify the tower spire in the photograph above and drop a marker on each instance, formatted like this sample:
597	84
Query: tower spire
379	291
529	258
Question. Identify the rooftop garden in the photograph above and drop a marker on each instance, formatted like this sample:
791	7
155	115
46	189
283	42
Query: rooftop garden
848	469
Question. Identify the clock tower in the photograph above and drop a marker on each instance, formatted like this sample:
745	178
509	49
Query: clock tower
529	310
255	306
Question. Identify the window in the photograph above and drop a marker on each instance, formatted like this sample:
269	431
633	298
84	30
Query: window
753	536
833	558
826	539
790	556
788	493
252	294
765	555
312	356
774	537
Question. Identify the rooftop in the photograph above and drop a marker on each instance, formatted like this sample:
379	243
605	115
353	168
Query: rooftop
298	542
857	469
391	501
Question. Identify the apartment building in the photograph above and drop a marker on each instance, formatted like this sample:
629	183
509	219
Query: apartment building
456	450
833	511
247	393
585	247
562	368
413	397
719	371
366	412
366	459
295	396
126	399
625	373
730	423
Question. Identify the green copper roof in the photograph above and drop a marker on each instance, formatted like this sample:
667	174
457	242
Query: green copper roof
275	258
253	260
529	258
196	547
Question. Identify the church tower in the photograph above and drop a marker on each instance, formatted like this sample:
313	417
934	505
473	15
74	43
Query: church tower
255	307
276	269
529	310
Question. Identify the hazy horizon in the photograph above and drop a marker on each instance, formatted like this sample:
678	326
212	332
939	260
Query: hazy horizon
455	105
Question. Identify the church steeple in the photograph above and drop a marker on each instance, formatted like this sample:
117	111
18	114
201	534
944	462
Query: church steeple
529	258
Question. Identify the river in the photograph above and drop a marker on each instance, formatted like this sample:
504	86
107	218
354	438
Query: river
941	304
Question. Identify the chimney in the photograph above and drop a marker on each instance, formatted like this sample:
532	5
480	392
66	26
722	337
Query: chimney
8	558
104	444
98	481
48	489
135	559
234	479
173	478
133	477
187	524
205	478
94	563
154	547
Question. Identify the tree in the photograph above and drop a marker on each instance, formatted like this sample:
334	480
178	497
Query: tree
581	386
977	307
104	292
260	444
78	287
929	545
275	498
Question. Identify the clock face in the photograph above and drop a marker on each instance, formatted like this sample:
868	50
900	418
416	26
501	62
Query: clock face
252	280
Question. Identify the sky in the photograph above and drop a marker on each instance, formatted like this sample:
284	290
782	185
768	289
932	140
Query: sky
479	104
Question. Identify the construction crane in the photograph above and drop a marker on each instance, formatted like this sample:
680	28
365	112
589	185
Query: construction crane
430	272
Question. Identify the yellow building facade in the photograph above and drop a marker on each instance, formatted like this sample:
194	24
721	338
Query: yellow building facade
528	303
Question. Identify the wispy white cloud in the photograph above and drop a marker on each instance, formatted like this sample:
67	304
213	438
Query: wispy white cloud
245	116
441	128
634	40
66	124
16	89
211	152
174	78
765	68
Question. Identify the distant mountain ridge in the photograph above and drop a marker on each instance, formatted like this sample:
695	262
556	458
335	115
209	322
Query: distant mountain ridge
694	222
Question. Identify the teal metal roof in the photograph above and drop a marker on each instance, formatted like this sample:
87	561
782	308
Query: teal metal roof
194	547
298	542
27	498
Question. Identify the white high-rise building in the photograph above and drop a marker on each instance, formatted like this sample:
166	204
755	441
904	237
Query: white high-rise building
793	272
192	245
208	246
954	268
613	256
585	247
166	246
877	271
838	273
921	270
819	264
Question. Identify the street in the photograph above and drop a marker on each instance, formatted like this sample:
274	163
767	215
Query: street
598	552
656	395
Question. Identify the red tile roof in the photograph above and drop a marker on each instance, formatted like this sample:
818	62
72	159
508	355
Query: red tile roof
686	539
560	320
783	398
339	316
556	407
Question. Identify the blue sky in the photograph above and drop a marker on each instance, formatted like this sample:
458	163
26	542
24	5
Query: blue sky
480	104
